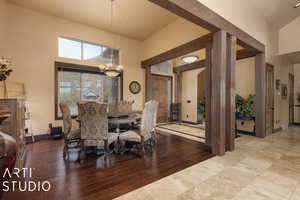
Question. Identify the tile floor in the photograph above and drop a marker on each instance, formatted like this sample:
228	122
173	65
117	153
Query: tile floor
259	169
186	131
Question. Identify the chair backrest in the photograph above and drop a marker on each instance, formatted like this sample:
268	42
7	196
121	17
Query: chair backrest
66	115
149	117
94	122
125	106
113	108
155	108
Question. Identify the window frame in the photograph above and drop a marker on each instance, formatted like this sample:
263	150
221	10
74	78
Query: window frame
59	66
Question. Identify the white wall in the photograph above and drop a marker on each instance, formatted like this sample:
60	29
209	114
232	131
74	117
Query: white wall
289	41
32	38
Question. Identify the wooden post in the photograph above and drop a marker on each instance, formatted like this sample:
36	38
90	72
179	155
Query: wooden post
178	91
218	73
208	52
230	92
148	82
260	99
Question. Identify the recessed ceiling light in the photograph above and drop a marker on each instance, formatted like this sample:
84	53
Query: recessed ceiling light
189	58
297	5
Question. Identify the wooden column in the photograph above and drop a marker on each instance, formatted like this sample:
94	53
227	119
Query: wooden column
208	53
230	92
148	82
218	73
260	99
178	90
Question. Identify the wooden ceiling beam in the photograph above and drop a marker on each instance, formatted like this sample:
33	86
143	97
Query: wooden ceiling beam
241	54
196	12
181	50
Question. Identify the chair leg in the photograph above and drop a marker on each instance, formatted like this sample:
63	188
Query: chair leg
65	153
82	152
106	151
142	149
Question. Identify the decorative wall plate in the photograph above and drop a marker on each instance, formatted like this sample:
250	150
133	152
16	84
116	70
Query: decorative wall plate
135	87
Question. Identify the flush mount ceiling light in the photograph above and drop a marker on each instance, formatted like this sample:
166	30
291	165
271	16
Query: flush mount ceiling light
297	5
189	58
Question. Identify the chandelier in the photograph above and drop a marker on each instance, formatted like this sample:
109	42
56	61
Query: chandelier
110	69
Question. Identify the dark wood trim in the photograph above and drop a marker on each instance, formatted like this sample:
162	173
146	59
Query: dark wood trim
58	66
148	83
260	99
240	54
196	12
191	66
172	82
230	92
268	65
178	92
28	139
218	103
208	85
181	50
245	53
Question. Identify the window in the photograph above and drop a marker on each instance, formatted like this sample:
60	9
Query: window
164	67
81	50
69	48
81	83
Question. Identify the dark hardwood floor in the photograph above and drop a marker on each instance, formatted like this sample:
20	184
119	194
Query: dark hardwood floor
94	180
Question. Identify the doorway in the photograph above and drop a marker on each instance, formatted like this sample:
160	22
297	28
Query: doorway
269	99
162	93
291	99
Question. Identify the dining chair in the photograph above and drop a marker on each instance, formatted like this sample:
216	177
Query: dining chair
144	136
94	127
125	106
72	137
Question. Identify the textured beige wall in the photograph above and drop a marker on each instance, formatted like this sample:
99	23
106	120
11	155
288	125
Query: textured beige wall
33	46
243	15
245	77
2	26
189	93
289	37
173	35
297	92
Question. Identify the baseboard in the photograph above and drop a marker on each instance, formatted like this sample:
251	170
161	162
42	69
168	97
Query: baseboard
246	132
187	122
28	139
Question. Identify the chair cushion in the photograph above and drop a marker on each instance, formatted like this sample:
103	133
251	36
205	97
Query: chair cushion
112	137
132	137
74	134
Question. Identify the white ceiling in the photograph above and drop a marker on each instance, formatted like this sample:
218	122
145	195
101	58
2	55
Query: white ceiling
277	12
136	19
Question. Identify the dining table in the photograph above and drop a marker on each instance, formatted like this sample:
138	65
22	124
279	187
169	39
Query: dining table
121	120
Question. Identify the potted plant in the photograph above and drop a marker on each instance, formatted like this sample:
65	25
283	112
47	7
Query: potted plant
201	109
245	107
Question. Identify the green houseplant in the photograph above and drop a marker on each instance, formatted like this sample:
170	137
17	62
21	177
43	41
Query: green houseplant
245	107
201	109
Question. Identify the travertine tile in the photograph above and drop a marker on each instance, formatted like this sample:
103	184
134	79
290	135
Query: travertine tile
259	169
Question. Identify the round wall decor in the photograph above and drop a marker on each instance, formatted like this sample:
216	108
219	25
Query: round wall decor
135	87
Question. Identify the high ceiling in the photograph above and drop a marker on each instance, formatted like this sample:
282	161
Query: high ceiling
136	19
277	12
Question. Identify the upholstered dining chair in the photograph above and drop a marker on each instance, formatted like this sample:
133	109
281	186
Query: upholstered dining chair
144	136
72	137
125	106
94	127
